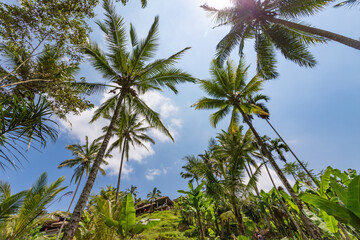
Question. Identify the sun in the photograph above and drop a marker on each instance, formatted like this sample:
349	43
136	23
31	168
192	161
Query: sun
218	3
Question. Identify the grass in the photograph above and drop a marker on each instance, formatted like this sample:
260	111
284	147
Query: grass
170	227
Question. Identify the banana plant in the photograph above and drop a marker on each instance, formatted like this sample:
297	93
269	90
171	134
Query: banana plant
195	200
338	197
125	221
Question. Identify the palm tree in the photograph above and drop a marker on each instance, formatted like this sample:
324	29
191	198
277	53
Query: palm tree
84	158
133	191
268	22
348	3
231	92
257	100
291	168
131	75
9	204
34	202
192	168
130	131
232	153
152	196
279	147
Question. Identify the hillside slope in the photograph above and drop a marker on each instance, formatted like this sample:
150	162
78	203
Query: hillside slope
170	227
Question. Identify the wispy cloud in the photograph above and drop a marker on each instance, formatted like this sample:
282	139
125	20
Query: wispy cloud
150	174
81	128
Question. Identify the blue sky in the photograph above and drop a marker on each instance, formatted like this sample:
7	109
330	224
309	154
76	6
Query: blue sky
315	110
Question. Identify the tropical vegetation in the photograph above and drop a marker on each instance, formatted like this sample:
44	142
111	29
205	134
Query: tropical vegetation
44	46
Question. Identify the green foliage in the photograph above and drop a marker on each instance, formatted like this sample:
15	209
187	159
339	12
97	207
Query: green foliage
170	227
344	202
84	156
125	224
23	124
40	42
29	208
23	26
47	74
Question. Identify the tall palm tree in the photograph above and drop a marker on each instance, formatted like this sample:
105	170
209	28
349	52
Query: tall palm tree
230	93
232	153
268	22
84	158
152	196
129	131
131	74
247	140
257	100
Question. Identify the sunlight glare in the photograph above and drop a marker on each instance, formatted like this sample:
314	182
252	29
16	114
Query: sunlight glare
218	3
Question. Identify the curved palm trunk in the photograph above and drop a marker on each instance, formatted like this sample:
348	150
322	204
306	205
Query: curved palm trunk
297	159
200	225
72	200
310	227
120	170
283	204
322	33
249	172
79	208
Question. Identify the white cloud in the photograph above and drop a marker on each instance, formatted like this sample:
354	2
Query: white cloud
150	174
168	112
265	183
81	128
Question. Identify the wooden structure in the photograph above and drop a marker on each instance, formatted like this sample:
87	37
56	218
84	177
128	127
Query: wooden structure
52	227
160	204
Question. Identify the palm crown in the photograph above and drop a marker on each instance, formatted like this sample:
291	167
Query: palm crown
84	157
154	194
130	131
269	23
131	74
230	92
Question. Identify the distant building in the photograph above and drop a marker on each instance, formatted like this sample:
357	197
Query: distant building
160	204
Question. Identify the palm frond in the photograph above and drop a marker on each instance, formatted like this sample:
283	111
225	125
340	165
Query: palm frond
151	116
147	47
265	62
301	8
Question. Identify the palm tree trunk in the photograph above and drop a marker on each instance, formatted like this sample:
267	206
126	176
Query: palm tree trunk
222	229
249	172
79	208
297	159
119	177
72	200
284	205
319	32
151	207
202	233
238	217
310	227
